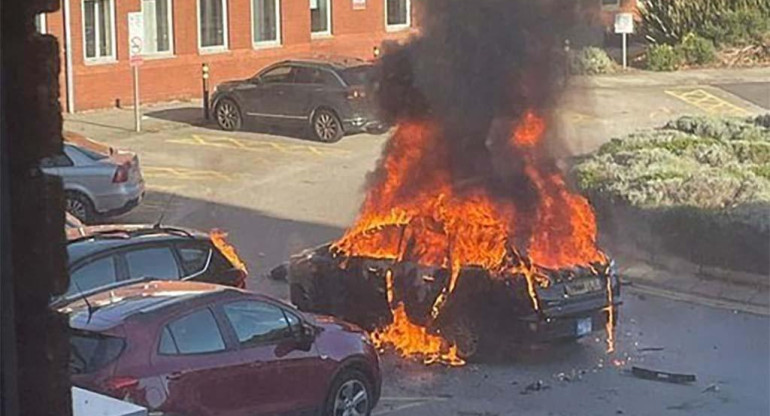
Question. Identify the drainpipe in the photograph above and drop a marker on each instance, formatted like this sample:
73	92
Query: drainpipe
68	57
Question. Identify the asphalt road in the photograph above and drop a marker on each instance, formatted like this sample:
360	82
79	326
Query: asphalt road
276	195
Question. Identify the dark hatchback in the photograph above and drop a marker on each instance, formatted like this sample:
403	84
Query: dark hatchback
328	97
198	349
104	255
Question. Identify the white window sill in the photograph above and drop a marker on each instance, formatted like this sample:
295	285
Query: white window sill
266	45
321	35
212	50
397	28
100	61
158	56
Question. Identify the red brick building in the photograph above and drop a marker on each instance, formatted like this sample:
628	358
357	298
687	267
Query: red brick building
234	37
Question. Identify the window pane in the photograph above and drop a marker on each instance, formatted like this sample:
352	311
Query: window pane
152	262
397	12
157	29
265	20
304	75
163	29
319	15
197	333
257	322
89	10
193	257
91	351
167	345
105	28
280	74
95	274
212	23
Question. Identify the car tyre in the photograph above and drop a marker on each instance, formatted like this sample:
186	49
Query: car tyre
80	206
228	115
351	394
463	331
326	126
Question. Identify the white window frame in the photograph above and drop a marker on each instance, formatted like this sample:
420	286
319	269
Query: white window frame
113	54
170	51
278	34
226	27
402	26
328	32
40	19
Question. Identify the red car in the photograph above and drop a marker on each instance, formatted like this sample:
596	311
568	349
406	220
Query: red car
191	348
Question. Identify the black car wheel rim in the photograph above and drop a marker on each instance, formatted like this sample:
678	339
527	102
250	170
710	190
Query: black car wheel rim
227	115
351	399
76	208
326	126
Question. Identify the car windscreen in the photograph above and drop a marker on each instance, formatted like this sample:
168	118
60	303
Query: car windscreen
91	154
91	351
358	75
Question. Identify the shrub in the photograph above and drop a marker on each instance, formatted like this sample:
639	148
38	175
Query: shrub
696	50
724	22
699	188
663	58
591	61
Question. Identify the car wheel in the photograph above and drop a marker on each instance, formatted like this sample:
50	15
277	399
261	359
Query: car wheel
80	206
326	126
464	333
351	394
228	115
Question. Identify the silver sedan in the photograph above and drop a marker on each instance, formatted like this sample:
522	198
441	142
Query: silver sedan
98	179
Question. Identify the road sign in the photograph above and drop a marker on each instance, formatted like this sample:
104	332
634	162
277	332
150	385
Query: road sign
135	38
624	23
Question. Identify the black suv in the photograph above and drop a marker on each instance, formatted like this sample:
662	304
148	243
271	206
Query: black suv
329	97
100	256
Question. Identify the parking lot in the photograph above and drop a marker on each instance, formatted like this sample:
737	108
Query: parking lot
276	193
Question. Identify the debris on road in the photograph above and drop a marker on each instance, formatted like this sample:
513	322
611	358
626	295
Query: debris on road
535	386
711	388
650	349
676	378
279	272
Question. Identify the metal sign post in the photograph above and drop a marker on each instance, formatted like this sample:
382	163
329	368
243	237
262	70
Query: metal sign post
624	24
135	47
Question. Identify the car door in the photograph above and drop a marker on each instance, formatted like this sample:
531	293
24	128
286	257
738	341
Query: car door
198	367
307	82
151	260
267	102
279	365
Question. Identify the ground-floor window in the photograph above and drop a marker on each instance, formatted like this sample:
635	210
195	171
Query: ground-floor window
320	17
397	14
266	21
158	26
610	3
212	24
99	29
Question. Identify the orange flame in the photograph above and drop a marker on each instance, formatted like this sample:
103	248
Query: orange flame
413	212
409	339
218	238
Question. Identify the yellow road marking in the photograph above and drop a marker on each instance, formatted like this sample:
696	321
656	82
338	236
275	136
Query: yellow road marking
708	102
258	146
156	172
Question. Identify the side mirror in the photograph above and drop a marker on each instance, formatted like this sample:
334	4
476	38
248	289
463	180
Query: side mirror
305	336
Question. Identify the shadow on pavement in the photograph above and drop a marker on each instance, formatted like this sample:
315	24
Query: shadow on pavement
194	117
263	240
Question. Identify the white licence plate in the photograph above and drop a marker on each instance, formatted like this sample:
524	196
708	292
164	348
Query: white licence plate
584	326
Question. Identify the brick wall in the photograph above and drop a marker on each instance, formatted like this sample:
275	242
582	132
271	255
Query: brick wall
354	33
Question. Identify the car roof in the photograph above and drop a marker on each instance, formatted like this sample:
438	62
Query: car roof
85	241
112	307
329	62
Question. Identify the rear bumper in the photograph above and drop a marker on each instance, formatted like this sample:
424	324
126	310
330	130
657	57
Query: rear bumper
121	199
542	328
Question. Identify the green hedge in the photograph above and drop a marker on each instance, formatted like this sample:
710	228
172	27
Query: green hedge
702	184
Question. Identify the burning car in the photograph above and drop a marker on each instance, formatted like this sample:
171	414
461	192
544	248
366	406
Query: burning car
437	270
485	306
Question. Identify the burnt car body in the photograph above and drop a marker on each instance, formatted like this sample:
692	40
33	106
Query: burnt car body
482	306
